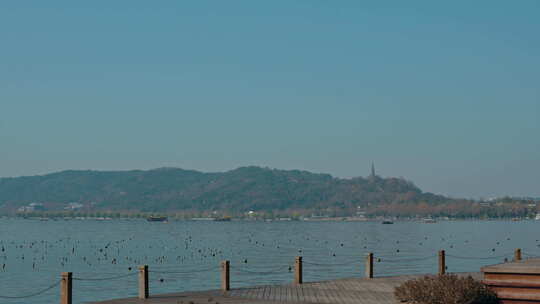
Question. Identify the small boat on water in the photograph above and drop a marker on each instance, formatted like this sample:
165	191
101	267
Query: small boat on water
387	222
204	219
429	221
156	218
537	217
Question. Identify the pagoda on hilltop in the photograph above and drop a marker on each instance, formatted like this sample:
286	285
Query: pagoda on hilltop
373	175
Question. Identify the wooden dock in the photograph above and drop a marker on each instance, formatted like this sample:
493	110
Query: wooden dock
516	282
343	291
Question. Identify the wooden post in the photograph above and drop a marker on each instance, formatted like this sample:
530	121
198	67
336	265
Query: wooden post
225	276
298	270
517	255
143	282
369	265
442	262
66	287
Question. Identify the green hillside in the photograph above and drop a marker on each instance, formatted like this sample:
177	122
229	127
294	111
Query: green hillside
172	189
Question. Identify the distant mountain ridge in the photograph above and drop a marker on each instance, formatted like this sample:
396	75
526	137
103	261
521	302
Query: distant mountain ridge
241	189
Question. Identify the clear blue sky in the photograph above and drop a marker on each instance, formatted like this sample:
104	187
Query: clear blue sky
444	93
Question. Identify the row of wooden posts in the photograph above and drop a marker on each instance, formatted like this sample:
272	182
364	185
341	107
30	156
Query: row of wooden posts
67	277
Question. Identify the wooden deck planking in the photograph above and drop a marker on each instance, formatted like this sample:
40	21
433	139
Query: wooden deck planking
263	292
341	297
275	294
341	291
348	284
308	295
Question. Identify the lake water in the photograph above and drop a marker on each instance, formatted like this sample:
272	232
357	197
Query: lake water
185	255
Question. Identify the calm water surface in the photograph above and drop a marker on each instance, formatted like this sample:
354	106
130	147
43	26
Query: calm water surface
185	255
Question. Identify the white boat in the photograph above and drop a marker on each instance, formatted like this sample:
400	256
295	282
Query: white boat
537	217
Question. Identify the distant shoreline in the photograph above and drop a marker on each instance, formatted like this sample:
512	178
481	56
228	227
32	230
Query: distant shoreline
306	219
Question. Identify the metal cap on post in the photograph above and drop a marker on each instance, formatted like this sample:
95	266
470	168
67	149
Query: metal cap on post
369	265
442	262
66	287
143	282
225	276
298	270
517	254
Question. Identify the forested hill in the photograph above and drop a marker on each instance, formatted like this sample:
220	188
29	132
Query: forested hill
172	189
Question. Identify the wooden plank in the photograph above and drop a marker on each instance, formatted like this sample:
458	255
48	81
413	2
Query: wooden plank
275	293
258	292
278	290
517	302
289	293
308	294
501	279
301	294
527	294
295	292
285	293
340	292
331	287
268	294
327	294
324	293
316	293
352	288
368	297
263	292
304	293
